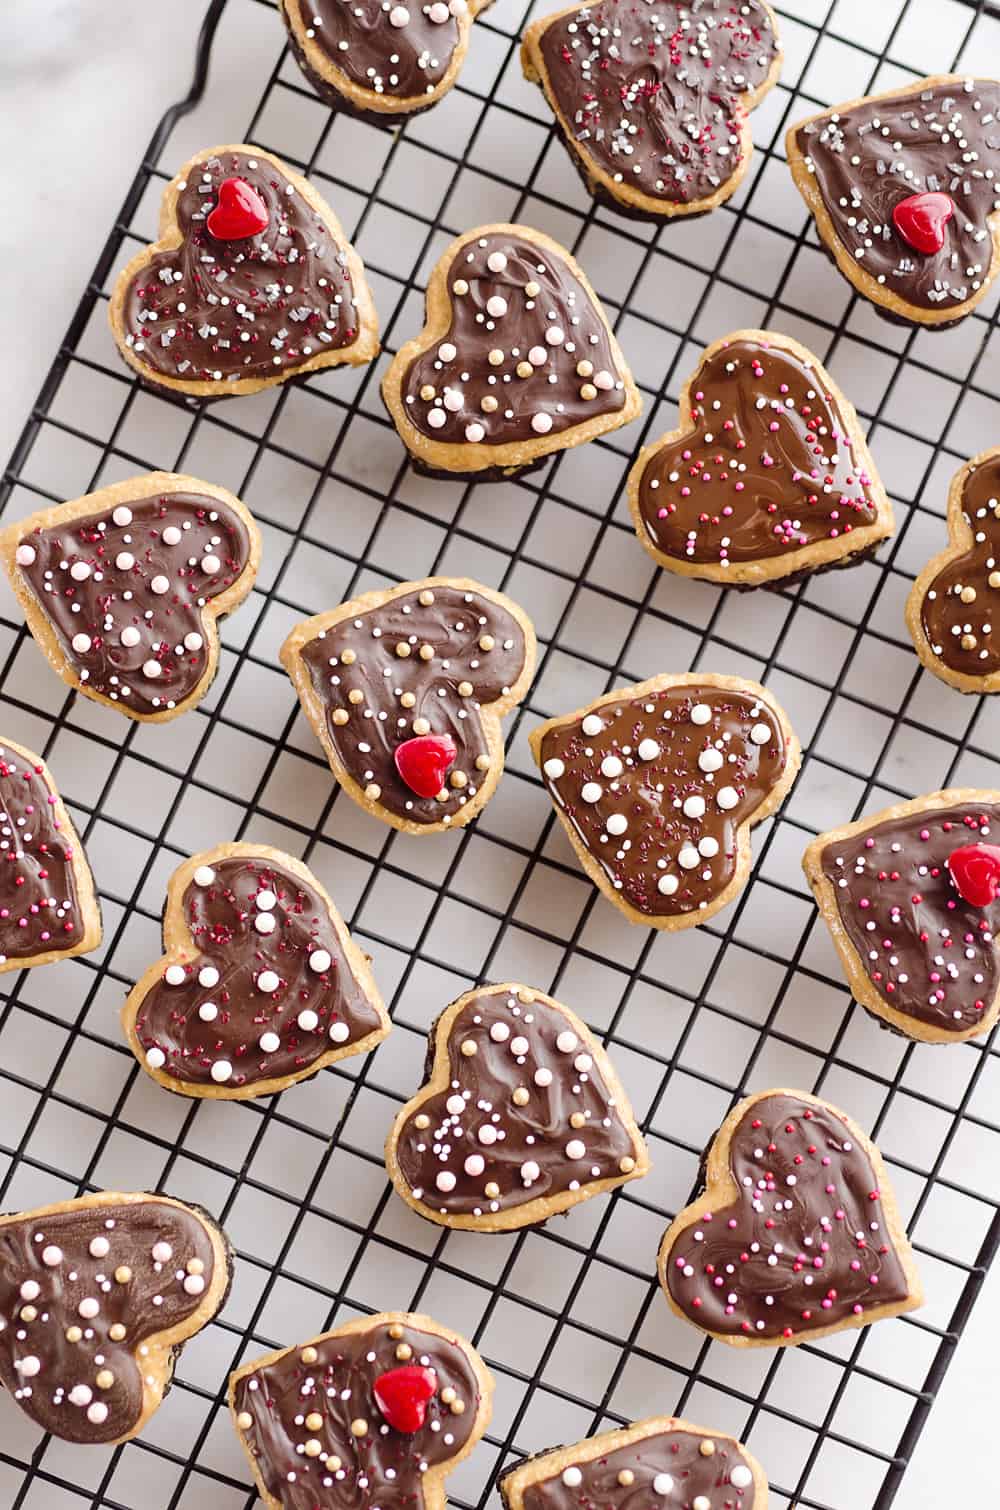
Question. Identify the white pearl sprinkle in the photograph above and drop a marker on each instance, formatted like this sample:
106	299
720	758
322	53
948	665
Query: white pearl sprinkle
308	1020
204	875
648	749
156	1059
319	961
554	768
591	791
760	734
727	798
221	1070
160	585
701	713
270	1043
592	725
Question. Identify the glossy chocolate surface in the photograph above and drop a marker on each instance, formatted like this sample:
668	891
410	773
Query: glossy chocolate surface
40	908
959	609
402	50
669	1468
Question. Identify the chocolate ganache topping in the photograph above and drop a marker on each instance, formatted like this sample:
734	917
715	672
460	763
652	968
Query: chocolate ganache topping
806	1243
399	50
527	352
216	309
672	1468
527	1112
40	907
939	139
81	1290
767	466
654	94
323	1393
423	662
268	990
928	952
957	611
124	590
656	787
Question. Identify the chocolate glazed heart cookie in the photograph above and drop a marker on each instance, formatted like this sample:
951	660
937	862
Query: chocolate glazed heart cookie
950	612
522	1116
252	281
97	1297
406	689
663	1461
658	785
797	1234
516	360
767	477
379	62
261	984
375	1413
902	186
653	100
913	922
48	906
123	589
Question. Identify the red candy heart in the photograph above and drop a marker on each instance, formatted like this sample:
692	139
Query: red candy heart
424	762
240	212
402	1395
921	220
975	870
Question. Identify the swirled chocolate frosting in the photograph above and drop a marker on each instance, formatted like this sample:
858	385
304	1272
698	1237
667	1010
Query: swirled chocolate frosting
422	662
124	591
527	352
656	787
402	50
957	612
40	907
806	1243
930	139
654	94
267	988
526	1114
312	1424
668	1468
768	465
215	310
927	952
82	1290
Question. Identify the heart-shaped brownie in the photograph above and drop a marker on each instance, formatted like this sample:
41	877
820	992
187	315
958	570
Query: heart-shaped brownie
97	1298
252	281
917	952
902	186
653	100
122	589
406	689
663	1461
658	785
797	1233
261	984
48	907
380	62
949	612
522	1116
375	1413
516	360
768	476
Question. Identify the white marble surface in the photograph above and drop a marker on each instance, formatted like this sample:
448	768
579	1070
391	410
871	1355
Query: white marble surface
81	95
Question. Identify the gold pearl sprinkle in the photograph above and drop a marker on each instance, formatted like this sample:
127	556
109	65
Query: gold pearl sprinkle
408	700
195	1266
359	1428
588	391
333	1463
426	597
524	369
28	1313
396	1330
578	1120
492	1190
488	404
73	1334
314	1421
487	642
447	1395
532	289
968	642
427	652
495	357
373	791
421	726
626	1477
968	594
105	1379
457	1407
427	392
340	716
994	579
123	1274
469	1047
116	1333
460	287
707	1448
309	1355
442	795
313	1448
244	1420
355	695
525	997
402	650
585	369
422	1121
459	778
627	1164
482	762
465	689
521	1096
404	1351
348	658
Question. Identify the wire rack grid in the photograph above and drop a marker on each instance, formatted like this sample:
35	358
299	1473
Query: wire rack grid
568	1317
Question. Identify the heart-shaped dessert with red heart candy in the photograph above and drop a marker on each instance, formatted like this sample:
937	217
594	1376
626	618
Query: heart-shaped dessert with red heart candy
797	1233
406	689
376	1412
907	897
251	281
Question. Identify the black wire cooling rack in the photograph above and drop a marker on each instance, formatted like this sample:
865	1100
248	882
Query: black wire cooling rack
568	1317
